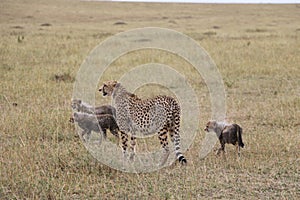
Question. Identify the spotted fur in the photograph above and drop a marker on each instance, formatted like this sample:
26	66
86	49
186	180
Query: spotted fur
160	114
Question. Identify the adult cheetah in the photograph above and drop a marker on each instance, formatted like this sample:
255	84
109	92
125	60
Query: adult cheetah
160	114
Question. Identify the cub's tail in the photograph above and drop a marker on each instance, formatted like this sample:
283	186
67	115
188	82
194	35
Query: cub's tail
239	132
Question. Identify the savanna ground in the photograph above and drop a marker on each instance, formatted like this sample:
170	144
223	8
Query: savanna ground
255	47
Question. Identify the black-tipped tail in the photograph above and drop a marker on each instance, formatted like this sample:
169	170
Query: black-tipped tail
182	160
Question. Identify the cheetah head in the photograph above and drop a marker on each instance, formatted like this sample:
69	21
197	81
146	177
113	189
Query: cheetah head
108	87
210	126
75	104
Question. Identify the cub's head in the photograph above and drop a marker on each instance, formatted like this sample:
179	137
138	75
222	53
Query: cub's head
210	126
108	87
75	104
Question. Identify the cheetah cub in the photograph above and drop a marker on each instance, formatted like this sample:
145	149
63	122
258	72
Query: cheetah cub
227	134
80	106
87	122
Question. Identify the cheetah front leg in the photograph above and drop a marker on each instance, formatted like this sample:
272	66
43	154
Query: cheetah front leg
222	148
123	143
132	148
88	133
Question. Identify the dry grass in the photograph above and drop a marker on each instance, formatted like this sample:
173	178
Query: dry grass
256	49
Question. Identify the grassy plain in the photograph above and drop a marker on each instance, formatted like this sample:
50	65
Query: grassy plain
255	47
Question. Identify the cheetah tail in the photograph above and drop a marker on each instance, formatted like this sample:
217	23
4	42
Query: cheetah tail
240	141
179	155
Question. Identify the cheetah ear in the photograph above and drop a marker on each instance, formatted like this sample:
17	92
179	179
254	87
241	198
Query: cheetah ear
114	83
79	101
117	85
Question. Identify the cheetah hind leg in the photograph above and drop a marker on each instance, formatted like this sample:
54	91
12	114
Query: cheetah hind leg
238	150
163	137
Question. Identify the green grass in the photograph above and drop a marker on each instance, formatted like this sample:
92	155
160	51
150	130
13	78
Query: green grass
255	47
